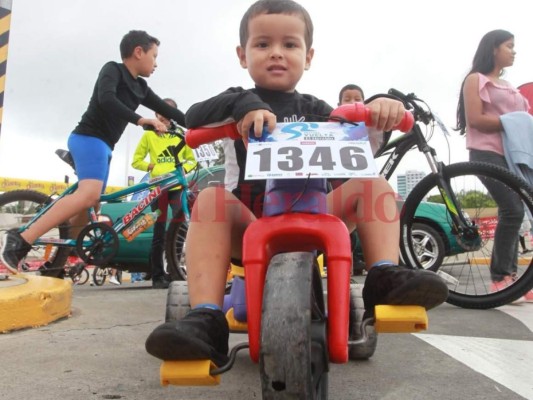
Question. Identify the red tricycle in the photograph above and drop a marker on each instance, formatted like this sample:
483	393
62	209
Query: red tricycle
293	331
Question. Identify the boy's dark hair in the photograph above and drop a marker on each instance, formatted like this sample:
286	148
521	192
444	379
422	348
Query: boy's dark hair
483	63
350	86
171	101
132	39
288	7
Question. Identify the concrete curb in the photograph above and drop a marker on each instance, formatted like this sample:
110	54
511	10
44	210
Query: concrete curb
28	301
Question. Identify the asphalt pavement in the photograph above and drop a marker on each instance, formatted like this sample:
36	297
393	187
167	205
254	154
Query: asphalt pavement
98	353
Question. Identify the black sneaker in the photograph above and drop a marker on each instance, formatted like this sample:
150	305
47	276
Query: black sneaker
160	283
47	270
202	334
13	248
397	285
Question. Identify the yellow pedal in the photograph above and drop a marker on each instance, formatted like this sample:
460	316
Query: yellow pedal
391	319
320	261
237	271
188	373
234	325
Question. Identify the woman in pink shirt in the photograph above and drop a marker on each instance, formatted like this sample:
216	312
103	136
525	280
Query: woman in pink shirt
484	98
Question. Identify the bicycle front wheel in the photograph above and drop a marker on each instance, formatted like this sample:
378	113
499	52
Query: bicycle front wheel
477	254
175	250
99	275
17	208
293	318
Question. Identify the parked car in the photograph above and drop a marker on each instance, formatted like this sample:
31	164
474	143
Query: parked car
432	230
134	256
432	234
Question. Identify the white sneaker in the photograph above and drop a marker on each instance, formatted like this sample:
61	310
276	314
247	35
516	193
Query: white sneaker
114	280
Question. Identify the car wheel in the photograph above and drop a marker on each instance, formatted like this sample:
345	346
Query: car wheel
429	246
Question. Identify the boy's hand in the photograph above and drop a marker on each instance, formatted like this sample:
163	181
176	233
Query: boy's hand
257	118
386	113
158	126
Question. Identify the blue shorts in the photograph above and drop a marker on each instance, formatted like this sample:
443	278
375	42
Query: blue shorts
92	157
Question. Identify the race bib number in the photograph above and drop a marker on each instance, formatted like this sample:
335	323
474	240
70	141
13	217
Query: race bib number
206	152
315	149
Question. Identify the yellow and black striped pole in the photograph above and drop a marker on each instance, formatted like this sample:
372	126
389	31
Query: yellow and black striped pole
5	22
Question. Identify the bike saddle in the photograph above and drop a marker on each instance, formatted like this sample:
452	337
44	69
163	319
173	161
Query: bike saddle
66	157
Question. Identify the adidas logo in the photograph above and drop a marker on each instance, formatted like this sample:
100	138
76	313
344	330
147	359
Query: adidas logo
166	156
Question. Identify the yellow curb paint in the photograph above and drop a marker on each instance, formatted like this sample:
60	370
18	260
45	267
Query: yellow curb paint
28	301
486	260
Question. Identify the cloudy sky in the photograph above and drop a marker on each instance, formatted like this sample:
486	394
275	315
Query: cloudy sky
57	48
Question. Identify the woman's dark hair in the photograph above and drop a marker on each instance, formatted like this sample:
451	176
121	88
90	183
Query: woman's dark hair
483	63
132	39
287	7
350	86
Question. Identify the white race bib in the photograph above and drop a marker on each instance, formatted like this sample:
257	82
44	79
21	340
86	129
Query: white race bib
316	149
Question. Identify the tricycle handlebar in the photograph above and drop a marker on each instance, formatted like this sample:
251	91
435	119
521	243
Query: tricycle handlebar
357	112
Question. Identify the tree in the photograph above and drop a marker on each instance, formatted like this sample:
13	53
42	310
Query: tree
468	199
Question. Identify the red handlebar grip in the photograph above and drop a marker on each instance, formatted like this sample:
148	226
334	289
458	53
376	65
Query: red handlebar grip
359	113
195	137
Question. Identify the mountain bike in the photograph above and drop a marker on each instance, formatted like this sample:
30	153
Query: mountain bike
98	242
285	305
471	213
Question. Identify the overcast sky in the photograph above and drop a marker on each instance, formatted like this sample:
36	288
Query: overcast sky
57	48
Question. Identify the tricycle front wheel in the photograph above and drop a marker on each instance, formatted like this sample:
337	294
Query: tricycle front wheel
293	357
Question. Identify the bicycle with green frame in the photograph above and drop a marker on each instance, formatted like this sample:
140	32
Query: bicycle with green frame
98	241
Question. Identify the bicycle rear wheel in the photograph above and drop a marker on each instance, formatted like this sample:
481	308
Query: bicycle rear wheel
79	274
175	250
16	209
293	318
466	266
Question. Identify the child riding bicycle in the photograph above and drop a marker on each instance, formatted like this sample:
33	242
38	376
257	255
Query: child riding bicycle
275	46
118	92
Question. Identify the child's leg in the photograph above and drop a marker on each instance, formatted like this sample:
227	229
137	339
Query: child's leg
14	246
218	222
371	206
87	195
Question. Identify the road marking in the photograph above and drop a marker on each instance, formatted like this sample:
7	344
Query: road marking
522	312
508	362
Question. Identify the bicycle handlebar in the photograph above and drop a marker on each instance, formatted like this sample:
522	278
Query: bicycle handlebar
410	100
195	137
358	112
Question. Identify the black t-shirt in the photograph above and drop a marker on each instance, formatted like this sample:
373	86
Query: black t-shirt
235	103
115	98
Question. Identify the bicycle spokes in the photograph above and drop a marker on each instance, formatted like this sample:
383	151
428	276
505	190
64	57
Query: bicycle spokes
97	243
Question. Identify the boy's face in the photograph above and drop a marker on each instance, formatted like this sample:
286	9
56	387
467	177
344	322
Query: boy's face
146	60
351	96
275	53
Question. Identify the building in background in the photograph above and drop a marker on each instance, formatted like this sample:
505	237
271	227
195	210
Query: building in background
406	182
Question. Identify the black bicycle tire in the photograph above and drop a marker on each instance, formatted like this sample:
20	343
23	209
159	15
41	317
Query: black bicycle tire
518	185
99	280
286	324
83	276
174	245
61	255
